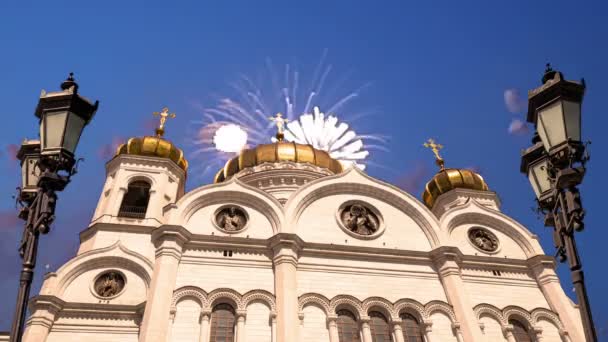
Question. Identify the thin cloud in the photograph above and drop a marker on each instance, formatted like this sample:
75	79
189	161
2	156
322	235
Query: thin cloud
513	101
518	127
414	180
106	151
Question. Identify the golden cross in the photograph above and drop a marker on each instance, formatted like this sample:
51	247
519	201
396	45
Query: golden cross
164	114
435	147
280	121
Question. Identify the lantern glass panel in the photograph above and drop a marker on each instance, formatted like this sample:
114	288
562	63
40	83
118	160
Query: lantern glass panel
550	125
539	178
72	132
52	130
572	114
30	173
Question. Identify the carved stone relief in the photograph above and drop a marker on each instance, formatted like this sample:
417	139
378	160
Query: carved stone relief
109	284
483	239
360	219
231	219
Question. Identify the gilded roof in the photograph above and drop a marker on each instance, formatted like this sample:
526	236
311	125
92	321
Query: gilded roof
280	151
154	147
449	179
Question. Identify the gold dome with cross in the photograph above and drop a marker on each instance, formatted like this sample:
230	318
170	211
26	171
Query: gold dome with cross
155	146
448	179
280	151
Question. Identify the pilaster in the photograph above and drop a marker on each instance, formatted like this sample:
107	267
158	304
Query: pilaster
169	242
366	331
446	262
332	326
543	267
286	248
44	312
204	320
397	331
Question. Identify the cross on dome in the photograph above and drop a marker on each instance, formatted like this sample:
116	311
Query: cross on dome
164	114
435	147
280	122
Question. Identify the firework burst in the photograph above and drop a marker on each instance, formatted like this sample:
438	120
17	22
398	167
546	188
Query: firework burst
242	120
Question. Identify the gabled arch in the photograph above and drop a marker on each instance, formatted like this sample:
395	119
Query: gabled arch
191	292
474	213
315	298
225	295
116	255
232	190
356	182
259	295
412	307
347	302
382	305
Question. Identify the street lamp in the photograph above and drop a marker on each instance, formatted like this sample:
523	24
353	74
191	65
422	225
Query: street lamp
555	166
46	167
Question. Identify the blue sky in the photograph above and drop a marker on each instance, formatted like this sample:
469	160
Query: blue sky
436	70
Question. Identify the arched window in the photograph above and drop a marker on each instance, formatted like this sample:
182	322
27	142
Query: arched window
378	324
222	324
411	328
348	329
135	202
520	332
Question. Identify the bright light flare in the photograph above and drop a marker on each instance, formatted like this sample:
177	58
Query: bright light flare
230	138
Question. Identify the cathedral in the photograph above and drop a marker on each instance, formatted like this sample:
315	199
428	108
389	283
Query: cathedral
290	245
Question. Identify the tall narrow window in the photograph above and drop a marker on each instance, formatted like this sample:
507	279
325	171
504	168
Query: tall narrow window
135	202
348	328
222	323
411	328
520	332
381	332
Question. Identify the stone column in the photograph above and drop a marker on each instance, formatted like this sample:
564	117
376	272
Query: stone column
273	326
508	332
171	321
332	326
285	248
204	334
169	242
44	311
426	328
240	325
543	267
398	331
457	332
446	263
366	331
538	334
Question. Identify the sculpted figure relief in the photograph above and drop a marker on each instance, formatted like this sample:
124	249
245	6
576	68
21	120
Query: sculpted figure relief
231	219
359	219
109	284
483	239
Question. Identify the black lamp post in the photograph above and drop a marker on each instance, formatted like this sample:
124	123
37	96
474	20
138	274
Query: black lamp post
555	166
46	167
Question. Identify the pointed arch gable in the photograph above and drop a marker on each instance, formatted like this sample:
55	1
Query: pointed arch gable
474	213
116	255
355	182
233	191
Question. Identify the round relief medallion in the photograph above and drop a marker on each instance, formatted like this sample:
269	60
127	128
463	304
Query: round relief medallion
360	220
109	284
483	239
231	219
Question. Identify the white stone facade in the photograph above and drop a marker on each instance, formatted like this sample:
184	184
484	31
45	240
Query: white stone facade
293	266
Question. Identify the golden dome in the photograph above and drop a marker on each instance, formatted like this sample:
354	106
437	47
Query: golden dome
449	179
154	147
280	151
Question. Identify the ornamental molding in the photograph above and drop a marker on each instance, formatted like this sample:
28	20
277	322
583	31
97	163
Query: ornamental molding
145	164
120	257
209	300
310	170
355	182
361	309
529	318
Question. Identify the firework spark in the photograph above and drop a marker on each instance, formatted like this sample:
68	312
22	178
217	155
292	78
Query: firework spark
241	121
